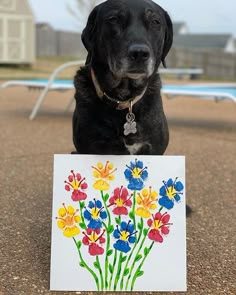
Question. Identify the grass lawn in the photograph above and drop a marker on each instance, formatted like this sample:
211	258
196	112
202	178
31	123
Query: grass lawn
42	68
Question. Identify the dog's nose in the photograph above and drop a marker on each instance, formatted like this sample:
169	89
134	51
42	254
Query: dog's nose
138	52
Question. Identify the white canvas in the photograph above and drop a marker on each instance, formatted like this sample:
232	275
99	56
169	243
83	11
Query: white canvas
118	223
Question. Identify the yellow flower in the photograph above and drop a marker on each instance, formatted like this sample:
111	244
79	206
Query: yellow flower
146	202
103	174
68	220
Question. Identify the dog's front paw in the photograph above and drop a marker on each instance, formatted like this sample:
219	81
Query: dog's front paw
74	153
188	210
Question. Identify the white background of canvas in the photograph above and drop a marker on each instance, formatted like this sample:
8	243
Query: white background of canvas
165	266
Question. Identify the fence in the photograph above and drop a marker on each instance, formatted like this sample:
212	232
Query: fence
216	64
58	43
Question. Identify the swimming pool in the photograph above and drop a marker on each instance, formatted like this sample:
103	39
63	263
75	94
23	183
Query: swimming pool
218	92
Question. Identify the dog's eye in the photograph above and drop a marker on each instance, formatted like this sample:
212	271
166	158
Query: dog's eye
156	22
113	19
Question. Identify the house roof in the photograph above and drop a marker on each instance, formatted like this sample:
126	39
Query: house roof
43	25
203	41
177	27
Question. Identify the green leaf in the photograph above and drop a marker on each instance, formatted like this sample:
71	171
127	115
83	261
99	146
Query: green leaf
82	205
139	273
110	229
145	231
126	272
118	220
82	264
79	244
96	265
105	198
140	224
138	257
82	225
131	215
123	259
109	252
111	268
146	251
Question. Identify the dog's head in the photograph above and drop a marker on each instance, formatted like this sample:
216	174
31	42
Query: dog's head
132	36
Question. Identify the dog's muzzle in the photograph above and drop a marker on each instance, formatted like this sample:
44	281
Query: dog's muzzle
140	61
138	53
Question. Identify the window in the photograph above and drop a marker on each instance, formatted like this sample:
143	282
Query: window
7	5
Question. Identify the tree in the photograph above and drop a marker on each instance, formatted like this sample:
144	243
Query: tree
80	11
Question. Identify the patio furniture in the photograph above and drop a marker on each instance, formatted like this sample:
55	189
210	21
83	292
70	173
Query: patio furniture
46	85
218	92
215	91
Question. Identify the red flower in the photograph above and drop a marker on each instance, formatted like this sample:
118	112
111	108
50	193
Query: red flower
121	201
93	239
77	184
160	226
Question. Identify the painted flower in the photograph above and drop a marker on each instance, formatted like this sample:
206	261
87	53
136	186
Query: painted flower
146	201
94	240
159	226
121	201
95	214
136	174
170	191
68	221
125	236
103	174
77	185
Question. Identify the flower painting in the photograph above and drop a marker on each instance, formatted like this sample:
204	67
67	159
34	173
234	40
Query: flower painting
118	223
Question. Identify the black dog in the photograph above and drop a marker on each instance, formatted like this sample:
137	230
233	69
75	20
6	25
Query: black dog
118	102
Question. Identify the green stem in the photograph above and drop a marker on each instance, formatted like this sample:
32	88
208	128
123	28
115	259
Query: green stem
139	267
100	272
106	208
108	241
81	214
87	267
107	259
133	264
133	210
130	255
118	271
113	265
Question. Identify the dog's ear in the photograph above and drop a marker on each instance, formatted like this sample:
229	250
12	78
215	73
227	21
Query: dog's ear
89	32
168	38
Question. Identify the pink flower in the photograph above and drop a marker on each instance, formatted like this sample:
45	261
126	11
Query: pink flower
94	239
121	201
159	226
77	185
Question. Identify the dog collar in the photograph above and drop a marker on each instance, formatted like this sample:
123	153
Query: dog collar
121	105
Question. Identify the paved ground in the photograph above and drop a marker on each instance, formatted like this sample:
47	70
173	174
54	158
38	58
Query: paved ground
203	131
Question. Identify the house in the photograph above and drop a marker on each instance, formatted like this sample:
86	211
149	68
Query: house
219	42
17	32
180	28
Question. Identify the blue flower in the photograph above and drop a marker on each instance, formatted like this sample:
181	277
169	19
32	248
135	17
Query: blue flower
124	236
170	191
136	174
95	215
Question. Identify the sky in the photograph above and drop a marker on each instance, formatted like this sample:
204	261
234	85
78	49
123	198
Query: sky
201	16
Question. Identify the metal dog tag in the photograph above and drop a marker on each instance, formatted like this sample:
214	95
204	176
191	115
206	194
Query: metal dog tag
130	125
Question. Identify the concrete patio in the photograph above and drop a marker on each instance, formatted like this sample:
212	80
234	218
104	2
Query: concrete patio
203	131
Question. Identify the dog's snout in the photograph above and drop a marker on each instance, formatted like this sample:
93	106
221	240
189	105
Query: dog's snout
138	52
